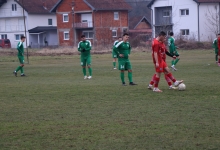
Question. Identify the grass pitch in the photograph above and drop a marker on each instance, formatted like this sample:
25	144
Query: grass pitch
55	108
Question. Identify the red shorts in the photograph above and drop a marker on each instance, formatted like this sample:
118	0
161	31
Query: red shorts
219	52
161	67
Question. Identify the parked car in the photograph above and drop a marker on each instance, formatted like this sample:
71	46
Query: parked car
5	43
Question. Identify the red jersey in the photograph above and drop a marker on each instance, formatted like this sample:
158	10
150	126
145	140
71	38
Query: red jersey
157	48
164	50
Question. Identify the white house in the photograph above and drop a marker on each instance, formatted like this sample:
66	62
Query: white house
193	19
35	15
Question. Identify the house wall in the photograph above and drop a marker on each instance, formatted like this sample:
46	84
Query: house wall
103	27
180	22
12	22
207	31
65	8
143	25
41	20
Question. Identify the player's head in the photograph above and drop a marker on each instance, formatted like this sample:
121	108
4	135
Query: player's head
23	38
119	38
162	36
83	37
171	33
125	37
218	36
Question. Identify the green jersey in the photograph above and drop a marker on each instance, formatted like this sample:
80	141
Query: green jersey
20	48
215	44
171	44
84	47
123	48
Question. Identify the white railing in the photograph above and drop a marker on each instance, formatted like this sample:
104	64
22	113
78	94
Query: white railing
83	25
12	28
9	13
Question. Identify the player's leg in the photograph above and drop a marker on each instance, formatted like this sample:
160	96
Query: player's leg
219	58
83	64
177	58
130	76
20	66
121	67
89	67
158	69
114	56
169	75
216	56
150	86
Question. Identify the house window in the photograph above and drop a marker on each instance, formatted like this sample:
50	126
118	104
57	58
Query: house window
66	35
18	37
116	16
185	31
65	18
114	33
50	22
166	13
4	36
88	34
184	12
14	7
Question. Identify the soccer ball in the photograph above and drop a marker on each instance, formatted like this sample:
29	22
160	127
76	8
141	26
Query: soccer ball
181	87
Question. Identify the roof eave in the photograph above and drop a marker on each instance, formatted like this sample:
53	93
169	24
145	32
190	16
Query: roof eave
53	9
151	3
89	5
141	20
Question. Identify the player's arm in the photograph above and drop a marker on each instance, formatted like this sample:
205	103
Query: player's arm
89	46
168	54
129	51
214	43
79	46
155	50
116	48
218	43
19	48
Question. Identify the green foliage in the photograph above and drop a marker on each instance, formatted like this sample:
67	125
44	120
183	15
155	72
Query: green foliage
55	108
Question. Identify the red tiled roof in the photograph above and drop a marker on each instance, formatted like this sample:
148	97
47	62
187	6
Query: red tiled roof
108	4
37	6
134	21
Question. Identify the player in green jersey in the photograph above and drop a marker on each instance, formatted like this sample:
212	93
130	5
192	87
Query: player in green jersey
123	50
20	48
173	51
215	46
85	47
114	55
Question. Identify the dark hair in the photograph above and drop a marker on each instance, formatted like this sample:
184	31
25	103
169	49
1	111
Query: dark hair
219	34
82	36
22	37
171	33
125	34
162	33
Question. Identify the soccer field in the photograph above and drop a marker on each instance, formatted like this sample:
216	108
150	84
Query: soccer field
55	108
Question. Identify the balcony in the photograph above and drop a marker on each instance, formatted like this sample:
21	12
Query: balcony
9	13
83	25
12	28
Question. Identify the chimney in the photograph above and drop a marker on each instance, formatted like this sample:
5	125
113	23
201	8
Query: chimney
45	5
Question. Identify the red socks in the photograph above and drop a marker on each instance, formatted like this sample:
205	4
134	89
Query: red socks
171	77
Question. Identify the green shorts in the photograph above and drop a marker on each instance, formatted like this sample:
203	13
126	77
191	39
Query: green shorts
175	53
21	59
216	51
114	55
86	61
124	64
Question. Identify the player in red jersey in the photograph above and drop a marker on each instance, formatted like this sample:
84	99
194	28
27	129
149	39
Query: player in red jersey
159	57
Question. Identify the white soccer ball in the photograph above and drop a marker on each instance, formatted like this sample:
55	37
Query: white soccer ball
181	87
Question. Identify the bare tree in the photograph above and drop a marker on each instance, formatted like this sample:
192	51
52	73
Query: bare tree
212	17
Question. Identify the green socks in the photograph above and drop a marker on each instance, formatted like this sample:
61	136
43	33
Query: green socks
114	64
130	76
176	61
216	57
172	62
84	71
22	70
18	68
122	77
90	71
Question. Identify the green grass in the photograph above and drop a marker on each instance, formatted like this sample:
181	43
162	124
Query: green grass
54	108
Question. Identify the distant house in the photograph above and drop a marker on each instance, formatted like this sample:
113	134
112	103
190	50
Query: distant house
140	26
39	21
100	21
192	19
